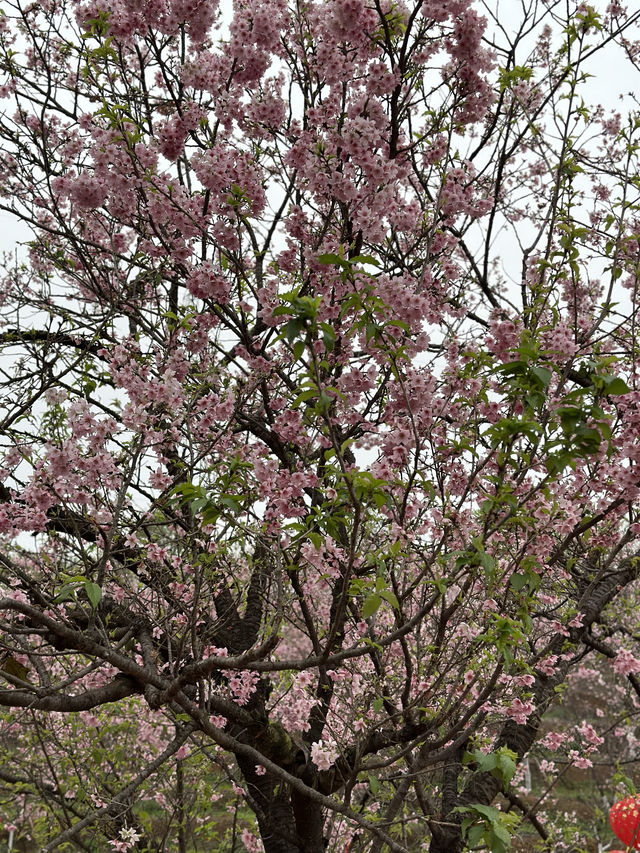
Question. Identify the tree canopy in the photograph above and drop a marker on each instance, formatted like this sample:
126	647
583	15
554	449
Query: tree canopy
320	415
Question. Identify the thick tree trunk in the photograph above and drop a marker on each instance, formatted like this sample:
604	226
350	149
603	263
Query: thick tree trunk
446	841
446	836
309	823
277	828
282	831
288	821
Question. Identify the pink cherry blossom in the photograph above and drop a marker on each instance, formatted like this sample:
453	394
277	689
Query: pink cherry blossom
323	755
625	663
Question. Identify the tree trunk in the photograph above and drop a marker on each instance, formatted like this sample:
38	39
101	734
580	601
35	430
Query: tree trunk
446	841
289	822
309	823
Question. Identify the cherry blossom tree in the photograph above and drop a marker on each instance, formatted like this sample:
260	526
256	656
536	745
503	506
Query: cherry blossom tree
321	419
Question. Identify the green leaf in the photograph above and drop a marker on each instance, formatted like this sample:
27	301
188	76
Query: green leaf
311	394
515	368
210	515
510	76
390	598
518	581
198	504
365	259
328	335
491	814
293	328
315	539
506	764
329	258
380	499
475	835
93	593
543	374
371	604
617	386
230	503
67	593
13	667
441	585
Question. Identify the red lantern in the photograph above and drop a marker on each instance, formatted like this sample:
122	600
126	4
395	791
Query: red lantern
625	820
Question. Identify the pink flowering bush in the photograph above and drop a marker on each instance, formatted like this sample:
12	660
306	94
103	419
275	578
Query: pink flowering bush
320	439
